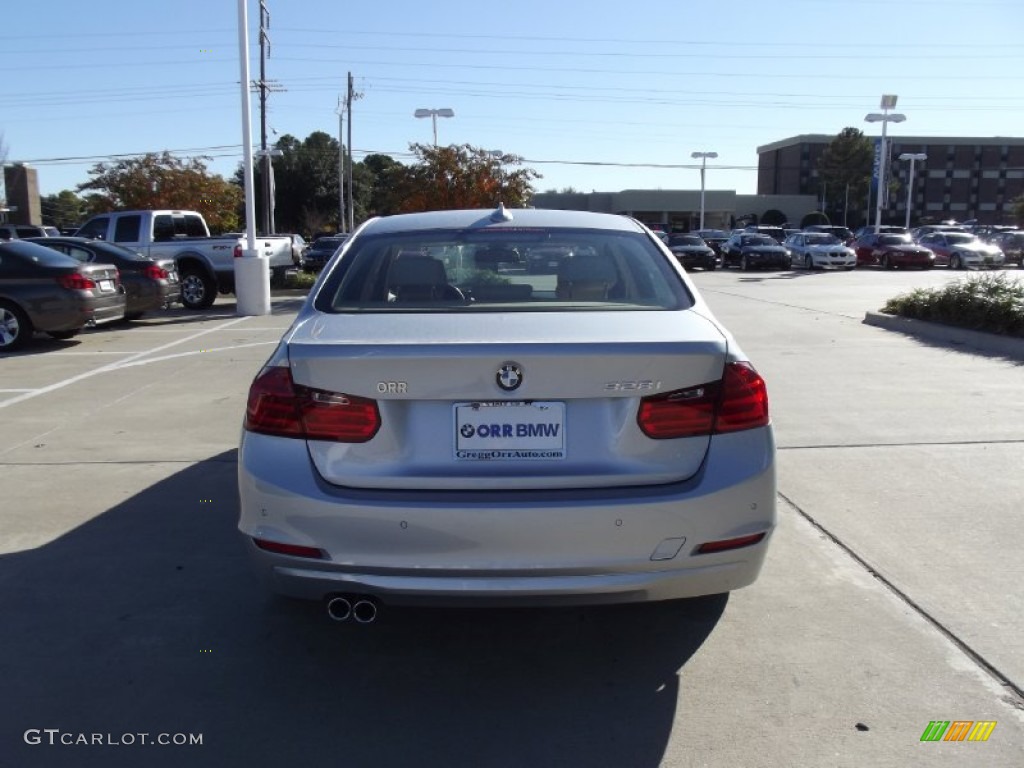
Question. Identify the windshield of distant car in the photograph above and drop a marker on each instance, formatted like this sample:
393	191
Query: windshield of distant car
960	238
758	240
822	239
685	240
894	240
515	269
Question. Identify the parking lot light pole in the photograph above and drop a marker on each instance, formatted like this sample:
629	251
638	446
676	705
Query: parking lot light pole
433	114
703	165
912	157
888	102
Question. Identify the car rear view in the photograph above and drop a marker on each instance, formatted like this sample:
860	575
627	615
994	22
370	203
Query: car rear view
440	424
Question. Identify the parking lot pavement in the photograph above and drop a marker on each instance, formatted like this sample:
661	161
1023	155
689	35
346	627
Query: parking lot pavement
129	608
908	451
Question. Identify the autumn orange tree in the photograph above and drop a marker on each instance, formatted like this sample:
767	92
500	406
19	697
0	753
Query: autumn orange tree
163	181
457	177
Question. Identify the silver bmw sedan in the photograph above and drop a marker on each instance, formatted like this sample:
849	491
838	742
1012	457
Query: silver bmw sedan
444	423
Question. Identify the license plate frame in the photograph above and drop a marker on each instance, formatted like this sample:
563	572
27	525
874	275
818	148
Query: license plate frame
509	430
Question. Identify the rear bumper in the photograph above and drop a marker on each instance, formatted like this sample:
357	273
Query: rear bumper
526	547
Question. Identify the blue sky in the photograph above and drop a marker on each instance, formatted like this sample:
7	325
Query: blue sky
595	96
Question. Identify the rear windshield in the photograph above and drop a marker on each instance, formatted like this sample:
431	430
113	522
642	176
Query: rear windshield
522	269
821	239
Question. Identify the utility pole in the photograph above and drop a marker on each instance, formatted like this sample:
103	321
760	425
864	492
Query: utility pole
342	217
351	192
265	86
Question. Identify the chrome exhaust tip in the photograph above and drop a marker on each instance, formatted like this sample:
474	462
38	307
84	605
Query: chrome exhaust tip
365	611
339	608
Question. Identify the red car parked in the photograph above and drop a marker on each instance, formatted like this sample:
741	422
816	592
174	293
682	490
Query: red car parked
891	251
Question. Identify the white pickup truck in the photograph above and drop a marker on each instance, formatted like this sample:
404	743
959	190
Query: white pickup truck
206	264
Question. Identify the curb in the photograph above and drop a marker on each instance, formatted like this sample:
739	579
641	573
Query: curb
1006	346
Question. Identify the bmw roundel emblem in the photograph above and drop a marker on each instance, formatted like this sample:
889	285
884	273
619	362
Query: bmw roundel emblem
510	376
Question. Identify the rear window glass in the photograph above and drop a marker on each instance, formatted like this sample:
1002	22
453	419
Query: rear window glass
520	269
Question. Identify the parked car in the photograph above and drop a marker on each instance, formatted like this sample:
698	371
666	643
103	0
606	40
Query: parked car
43	290
891	251
23	231
1012	245
887	229
843	233
960	250
748	250
149	284
206	264
778	234
546	259
320	252
692	251
819	250
714	238
299	247
422	434
918	232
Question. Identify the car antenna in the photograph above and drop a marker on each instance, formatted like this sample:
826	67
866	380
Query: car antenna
501	214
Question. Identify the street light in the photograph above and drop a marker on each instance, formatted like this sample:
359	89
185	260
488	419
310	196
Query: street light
911	156
433	114
888	102
703	164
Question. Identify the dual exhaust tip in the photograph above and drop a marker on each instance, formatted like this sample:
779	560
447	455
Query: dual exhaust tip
362	609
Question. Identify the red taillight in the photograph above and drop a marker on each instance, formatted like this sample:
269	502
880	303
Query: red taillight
295	550
156	272
739	401
724	545
278	406
76	282
237	253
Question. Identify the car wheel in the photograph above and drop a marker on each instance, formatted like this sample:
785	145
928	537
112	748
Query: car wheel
744	264
198	291
955	262
63	335
808	262
711	267
887	262
15	327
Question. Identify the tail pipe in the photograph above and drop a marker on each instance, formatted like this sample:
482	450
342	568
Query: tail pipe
363	609
339	608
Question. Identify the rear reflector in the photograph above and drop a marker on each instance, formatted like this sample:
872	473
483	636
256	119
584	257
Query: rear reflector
278	406
739	401
294	550
724	545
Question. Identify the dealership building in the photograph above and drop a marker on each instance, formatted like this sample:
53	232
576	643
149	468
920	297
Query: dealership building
962	179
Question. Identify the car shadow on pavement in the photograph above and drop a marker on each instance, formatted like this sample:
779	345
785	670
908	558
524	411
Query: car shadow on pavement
148	620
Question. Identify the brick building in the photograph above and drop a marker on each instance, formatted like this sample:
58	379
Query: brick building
962	179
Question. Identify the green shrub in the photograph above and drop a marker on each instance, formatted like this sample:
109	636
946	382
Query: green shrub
988	302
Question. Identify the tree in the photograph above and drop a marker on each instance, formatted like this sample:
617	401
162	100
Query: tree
813	217
846	165
305	183
163	181
65	209
773	217
457	177
1018	211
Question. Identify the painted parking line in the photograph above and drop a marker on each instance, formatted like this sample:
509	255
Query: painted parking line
132	357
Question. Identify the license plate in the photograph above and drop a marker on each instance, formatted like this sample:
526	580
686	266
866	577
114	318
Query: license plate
106	285
510	431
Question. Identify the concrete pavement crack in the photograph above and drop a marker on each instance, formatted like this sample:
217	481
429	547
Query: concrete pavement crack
1015	693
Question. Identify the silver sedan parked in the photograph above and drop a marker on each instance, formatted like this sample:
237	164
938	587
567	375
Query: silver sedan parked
432	428
819	250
